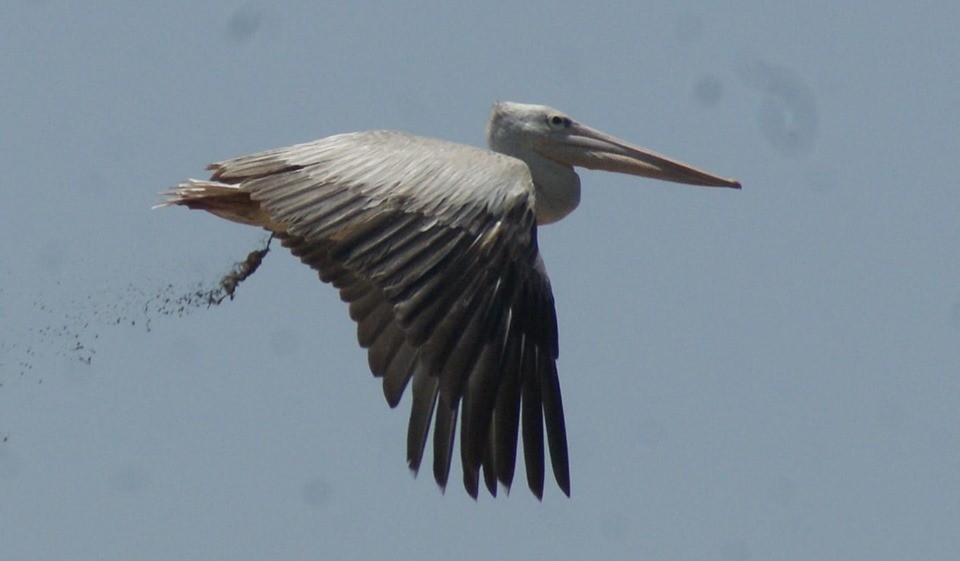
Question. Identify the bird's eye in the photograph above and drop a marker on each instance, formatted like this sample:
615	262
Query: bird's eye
559	121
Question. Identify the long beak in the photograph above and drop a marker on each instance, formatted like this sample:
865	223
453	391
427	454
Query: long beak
592	149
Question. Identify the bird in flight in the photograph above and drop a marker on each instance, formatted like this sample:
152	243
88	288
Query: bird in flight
433	245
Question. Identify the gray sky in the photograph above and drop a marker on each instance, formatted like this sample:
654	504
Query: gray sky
764	374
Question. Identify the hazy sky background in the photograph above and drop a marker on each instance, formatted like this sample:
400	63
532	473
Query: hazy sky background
764	374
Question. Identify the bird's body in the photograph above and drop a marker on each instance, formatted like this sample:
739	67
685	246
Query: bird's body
434	246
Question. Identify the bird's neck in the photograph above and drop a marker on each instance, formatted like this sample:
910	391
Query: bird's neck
557	186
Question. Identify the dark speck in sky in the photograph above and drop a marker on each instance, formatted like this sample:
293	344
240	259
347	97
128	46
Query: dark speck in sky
244	23
788	109
708	91
316	492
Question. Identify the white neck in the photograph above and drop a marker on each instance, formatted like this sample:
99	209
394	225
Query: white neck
557	185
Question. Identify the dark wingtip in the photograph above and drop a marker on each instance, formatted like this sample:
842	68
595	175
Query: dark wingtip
563	479
491	483
413	462
536	488
471	482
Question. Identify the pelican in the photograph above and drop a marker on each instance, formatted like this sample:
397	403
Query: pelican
433	245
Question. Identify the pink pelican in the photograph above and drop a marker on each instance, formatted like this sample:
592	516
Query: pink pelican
434	246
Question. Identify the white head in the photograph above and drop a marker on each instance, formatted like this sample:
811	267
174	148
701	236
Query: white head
551	144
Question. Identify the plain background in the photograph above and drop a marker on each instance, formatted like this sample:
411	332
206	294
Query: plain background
764	374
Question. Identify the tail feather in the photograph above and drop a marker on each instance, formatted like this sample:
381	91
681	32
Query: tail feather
222	199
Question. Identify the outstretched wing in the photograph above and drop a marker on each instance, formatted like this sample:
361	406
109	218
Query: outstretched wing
433	244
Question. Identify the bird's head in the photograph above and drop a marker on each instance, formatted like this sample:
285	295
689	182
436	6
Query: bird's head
526	131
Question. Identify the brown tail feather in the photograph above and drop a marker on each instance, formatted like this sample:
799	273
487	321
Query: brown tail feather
222	199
